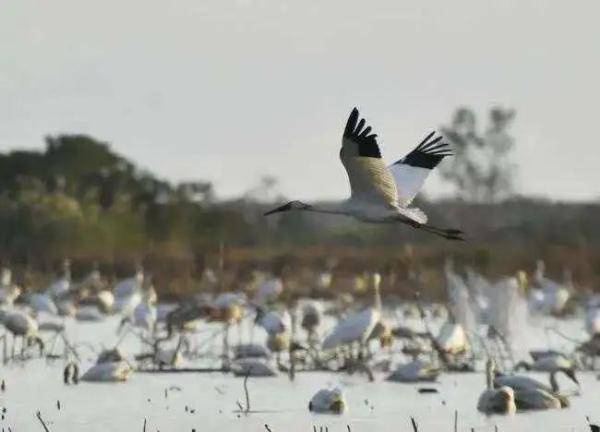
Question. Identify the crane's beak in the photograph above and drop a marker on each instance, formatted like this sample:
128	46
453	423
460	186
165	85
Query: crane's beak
282	208
571	374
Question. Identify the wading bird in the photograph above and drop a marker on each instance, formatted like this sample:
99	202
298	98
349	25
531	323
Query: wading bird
357	327
382	194
496	401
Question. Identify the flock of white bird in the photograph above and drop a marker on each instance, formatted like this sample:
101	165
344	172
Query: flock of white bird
481	318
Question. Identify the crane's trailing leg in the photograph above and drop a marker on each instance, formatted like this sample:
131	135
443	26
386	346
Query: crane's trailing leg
449	234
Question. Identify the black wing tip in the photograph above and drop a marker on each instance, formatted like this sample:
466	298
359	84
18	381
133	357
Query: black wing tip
367	142
429	153
434	146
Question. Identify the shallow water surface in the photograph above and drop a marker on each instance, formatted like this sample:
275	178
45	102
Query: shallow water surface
211	399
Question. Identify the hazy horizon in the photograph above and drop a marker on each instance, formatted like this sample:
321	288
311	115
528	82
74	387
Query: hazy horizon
230	91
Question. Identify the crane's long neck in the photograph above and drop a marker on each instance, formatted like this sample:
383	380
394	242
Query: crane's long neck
553	382
377	294
326	208
489	377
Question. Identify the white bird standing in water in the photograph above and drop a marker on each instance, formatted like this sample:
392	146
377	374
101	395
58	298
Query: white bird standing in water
358	326
382	194
555	296
127	293
496	401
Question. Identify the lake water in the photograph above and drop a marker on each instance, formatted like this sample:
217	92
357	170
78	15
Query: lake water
281	404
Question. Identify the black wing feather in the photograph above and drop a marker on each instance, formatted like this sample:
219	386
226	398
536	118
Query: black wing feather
428	154
367	144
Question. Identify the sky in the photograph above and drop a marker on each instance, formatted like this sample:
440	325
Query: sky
228	91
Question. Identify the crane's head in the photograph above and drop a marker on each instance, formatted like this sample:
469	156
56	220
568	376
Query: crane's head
292	205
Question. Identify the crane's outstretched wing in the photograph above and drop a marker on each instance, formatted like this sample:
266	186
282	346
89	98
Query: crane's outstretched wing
370	180
412	170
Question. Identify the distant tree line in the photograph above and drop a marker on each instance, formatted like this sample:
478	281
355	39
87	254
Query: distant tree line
79	199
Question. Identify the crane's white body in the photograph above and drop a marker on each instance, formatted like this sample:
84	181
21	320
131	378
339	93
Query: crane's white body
355	328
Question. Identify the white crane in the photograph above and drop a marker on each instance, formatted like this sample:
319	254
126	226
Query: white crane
507	307
381	194
496	401
328	401
554	295
358	326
